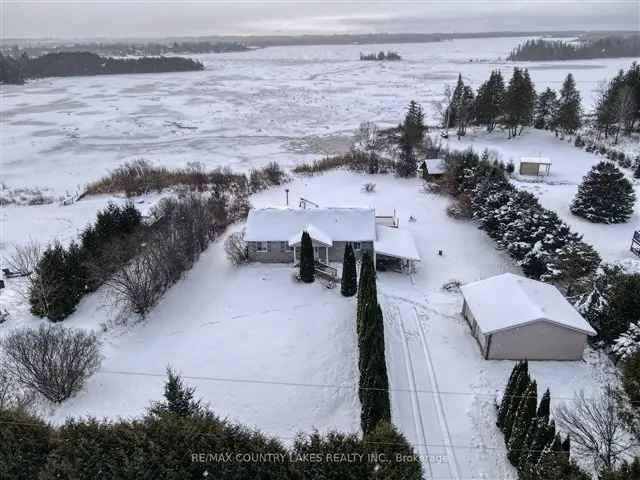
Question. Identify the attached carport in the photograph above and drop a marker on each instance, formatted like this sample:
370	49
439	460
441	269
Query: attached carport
395	250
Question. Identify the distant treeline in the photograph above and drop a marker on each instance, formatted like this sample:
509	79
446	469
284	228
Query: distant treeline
16	71
608	47
380	56
122	49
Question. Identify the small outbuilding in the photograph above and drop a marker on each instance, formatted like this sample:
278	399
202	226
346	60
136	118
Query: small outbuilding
433	168
536	166
517	318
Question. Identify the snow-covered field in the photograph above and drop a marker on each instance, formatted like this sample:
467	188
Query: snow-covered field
286	104
260	348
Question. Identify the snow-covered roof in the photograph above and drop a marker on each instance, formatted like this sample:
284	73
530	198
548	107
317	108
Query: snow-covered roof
435	166
508	301
395	242
336	224
315	233
543	160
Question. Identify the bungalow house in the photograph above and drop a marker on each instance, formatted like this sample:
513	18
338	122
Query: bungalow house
516	318
274	235
537	166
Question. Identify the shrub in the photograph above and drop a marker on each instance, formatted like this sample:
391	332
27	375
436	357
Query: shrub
369	187
24	444
236	248
24	258
579	142
322	165
51	360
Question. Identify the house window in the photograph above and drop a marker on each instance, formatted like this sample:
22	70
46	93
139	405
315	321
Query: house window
283	246
356	245
261	246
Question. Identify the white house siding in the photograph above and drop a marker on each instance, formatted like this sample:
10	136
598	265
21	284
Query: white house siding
475	329
537	341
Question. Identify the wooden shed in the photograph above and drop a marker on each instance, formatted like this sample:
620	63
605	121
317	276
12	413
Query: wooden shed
536	166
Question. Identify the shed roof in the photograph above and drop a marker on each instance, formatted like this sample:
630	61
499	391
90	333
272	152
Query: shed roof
355	224
435	166
508	301
541	160
395	242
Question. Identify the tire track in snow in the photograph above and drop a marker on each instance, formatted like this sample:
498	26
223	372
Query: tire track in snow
415	402
442	418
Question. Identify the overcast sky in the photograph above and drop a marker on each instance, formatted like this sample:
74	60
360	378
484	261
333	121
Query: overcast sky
162	18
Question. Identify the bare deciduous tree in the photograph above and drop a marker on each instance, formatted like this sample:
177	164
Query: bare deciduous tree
596	428
11	394
236	248
368	141
53	361
24	259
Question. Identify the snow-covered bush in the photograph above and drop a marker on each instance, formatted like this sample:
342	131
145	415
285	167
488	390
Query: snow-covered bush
51	360
628	343
369	187
236	248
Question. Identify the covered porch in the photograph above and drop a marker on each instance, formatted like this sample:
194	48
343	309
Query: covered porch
320	240
395	250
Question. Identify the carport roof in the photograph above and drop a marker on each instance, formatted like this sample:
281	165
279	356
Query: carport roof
509	301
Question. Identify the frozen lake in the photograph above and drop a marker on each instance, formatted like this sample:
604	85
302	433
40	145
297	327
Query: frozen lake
287	104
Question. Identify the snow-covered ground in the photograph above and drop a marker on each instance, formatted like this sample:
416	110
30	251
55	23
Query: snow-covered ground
569	165
247	108
254	323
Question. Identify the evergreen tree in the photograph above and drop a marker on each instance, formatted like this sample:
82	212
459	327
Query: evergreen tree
54	291
507	395
519	102
636	172
407	164
307	264
605	195
489	101
569	107
456	98
570	263
524	417
367	290
413	126
544	114
349	283
544	409
518	395
179	400
622	307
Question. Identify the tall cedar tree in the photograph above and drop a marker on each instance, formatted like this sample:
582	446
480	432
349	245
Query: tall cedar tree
307	266
636	172
407	165
507	395
367	288
349	284
490	100
518	395
544	113
605	195
524	416
374	383
569	107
